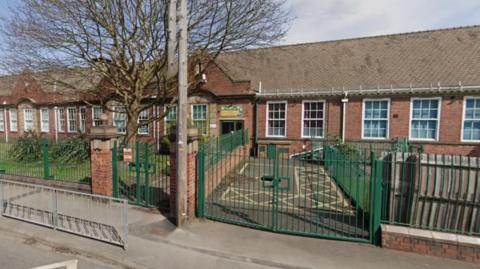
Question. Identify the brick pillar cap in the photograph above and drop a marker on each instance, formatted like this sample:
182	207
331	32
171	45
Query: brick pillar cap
104	132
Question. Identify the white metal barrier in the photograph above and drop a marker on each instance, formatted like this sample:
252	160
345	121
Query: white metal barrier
94	216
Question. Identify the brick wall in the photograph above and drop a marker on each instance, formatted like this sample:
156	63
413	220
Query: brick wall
101	168
424	242
191	181
399	123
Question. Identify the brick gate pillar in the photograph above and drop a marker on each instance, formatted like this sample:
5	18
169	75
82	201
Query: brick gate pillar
101	144
192	150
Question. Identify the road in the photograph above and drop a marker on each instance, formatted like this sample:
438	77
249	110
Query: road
26	253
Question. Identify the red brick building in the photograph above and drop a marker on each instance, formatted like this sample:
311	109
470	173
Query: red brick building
423	86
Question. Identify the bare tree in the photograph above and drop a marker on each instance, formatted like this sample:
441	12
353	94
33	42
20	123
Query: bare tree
125	42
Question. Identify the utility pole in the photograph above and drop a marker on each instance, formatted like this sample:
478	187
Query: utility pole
172	38
182	126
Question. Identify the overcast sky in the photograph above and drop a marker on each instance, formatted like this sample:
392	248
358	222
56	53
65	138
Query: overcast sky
318	20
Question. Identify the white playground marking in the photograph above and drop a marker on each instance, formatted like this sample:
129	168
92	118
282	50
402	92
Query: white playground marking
297	180
243	168
333	198
72	264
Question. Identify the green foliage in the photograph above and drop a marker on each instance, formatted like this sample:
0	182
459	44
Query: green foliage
71	150
165	144
28	148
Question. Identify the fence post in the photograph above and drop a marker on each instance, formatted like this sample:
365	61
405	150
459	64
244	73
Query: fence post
54	209
146	168
376	201
125	223
114	169
46	169
2	205
138	192
201	182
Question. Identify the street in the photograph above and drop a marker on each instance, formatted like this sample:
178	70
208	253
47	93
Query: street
26	253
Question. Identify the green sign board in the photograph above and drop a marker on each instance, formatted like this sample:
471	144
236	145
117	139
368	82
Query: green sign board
231	111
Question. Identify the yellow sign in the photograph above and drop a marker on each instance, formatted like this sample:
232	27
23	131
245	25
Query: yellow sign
231	111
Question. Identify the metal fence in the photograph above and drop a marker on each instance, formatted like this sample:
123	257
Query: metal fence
47	160
288	195
351	173
223	145
99	217
434	192
141	174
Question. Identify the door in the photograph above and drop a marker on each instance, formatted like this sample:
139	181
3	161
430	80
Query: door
229	126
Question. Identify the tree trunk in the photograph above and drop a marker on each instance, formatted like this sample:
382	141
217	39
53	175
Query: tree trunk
132	128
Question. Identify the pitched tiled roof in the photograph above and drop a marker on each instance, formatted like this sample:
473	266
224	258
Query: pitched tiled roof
419	59
64	85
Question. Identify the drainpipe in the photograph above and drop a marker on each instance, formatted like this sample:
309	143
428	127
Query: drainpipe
5	125
55	110
255	132
344	112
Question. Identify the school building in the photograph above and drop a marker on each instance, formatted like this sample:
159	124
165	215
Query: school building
424	86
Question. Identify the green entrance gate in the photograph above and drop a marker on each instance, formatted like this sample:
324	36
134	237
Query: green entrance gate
141	174
303	196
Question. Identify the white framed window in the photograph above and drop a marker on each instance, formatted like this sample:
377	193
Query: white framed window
471	119
82	116
276	119
375	118
424	118
120	119
72	119
96	113
143	122
13	119
2	120
200	118
170	119
28	123
61	120
44	120
313	119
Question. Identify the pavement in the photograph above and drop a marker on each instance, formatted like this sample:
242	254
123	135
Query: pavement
155	243
18	252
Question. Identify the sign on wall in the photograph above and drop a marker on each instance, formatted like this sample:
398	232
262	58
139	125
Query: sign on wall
127	155
231	111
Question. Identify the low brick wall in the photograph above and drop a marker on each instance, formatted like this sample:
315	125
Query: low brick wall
425	242
73	186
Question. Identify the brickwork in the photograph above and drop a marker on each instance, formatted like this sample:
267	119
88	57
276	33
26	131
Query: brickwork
191	181
101	168
220	89
449	141
442	245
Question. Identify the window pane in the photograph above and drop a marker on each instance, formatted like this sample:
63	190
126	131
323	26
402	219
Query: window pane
313	119
276	119
424	121
375	120
72	119
120	119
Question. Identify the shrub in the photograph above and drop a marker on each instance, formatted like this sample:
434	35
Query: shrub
28	148
165	144
70	150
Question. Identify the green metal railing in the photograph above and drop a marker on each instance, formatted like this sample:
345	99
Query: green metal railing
141	174
43	162
351	173
224	145
434	192
288	195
